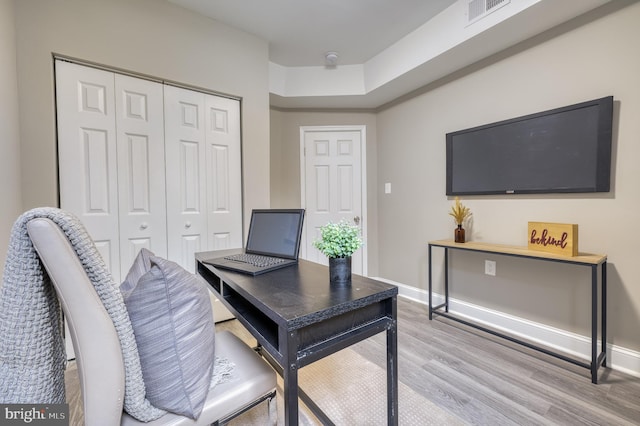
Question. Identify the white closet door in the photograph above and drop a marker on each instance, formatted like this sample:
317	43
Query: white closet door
224	178
141	168
185	149
87	154
204	188
148	165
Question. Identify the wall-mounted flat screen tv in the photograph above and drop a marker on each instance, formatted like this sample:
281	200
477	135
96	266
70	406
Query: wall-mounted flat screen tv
561	150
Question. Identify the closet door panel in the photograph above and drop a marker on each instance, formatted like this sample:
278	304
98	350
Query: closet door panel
141	168
224	179
147	165
87	153
185	149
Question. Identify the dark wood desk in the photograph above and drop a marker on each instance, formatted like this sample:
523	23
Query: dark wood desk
297	317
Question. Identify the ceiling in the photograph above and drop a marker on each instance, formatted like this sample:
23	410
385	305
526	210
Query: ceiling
300	32
385	48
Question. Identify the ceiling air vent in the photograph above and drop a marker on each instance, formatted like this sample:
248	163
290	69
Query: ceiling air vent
478	9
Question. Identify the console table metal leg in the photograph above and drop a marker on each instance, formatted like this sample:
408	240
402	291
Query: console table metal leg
604	312
430	286
446	280
594	324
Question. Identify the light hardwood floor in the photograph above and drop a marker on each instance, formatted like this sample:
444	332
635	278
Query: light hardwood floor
489	381
485	380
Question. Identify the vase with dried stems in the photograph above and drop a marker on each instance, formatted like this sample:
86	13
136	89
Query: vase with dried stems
460	213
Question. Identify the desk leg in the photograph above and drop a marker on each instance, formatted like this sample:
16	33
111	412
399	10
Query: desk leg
392	368
290	380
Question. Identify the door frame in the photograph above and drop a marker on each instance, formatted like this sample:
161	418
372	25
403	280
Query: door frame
362	129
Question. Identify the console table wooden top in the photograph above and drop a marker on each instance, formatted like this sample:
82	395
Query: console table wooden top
581	258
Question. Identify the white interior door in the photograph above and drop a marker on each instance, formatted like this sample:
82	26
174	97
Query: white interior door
223	171
224	181
185	148
87	155
144	164
111	160
332	166
204	187
141	168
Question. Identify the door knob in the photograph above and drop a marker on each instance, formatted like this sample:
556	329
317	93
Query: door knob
187	225
356	220
144	225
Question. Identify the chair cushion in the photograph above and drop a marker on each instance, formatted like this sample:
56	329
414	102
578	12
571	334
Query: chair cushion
173	324
251	379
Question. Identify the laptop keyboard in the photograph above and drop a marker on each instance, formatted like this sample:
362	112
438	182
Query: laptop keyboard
255	259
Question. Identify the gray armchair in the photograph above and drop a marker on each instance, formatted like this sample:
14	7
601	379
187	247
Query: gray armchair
99	357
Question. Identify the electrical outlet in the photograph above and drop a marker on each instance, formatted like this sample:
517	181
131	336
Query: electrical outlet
490	267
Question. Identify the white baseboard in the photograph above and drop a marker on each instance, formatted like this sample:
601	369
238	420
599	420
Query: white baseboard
618	358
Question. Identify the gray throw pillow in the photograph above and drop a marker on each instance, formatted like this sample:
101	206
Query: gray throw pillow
141	266
172	321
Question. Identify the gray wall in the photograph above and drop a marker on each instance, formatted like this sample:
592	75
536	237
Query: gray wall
11	205
149	37
591	57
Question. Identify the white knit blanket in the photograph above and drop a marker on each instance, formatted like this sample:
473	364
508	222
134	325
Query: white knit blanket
32	355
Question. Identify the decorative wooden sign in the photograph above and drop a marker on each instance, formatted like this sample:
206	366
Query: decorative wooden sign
558	238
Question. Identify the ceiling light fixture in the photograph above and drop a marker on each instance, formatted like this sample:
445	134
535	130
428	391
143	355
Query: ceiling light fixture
331	59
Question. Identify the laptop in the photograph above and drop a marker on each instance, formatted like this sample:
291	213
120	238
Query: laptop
273	243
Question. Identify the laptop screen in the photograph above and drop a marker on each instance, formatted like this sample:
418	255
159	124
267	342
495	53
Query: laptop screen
275	232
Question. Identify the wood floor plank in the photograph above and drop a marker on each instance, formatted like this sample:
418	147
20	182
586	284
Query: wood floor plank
483	379
486	380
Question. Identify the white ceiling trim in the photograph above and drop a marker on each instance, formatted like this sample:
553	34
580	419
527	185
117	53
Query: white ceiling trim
343	80
419	58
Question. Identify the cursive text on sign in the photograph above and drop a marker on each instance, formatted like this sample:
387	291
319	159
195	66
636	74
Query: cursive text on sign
546	240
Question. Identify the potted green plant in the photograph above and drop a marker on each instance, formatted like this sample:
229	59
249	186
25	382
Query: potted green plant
338	241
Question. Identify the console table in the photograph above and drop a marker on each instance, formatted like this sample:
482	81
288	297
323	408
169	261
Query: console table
592	261
297	317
